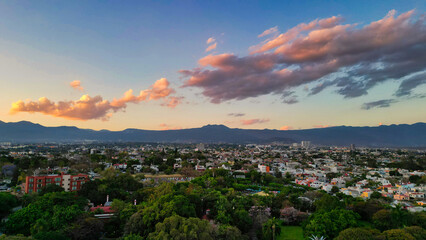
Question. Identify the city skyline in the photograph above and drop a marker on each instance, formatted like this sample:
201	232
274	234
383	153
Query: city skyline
173	65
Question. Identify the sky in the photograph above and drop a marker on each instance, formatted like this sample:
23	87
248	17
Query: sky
184	64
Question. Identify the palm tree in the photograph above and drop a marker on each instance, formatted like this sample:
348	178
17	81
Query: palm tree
316	238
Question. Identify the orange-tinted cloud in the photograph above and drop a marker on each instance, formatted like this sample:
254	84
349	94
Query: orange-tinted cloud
285	128
321	126
87	108
254	121
164	126
352	58
270	31
76	85
172	102
211	47
210	40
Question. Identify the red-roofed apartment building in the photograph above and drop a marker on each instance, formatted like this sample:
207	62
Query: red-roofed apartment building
69	183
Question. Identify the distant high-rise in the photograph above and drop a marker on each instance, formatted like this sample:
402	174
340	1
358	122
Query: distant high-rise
200	147
352	147
306	144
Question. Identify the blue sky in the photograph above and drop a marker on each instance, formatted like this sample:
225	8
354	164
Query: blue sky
113	46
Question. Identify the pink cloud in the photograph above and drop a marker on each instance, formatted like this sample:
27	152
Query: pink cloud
211	40
285	128
322	126
164	126
87	108
211	47
76	85
254	121
269	32
346	54
172	102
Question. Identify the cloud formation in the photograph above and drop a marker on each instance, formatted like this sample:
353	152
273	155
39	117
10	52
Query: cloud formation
212	44
285	128
351	58
211	47
87	108
236	114
76	85
378	104
270	31
210	40
321	126
164	126
254	121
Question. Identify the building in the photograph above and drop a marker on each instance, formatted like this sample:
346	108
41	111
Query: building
263	168
200	147
306	144
68	182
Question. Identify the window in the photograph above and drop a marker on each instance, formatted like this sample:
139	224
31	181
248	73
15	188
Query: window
74	183
31	185
40	180
58	184
74	188
57	179
31	179
39	185
48	180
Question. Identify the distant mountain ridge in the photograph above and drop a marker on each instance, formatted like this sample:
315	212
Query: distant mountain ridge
402	135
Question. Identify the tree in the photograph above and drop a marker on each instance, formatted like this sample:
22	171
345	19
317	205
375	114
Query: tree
382	220
8	201
50	212
366	209
241	219
334	189
177	227
133	237
397	234
357	234
53	235
87	228
51	188
271	229
327	203
228	232
329	224
375	195
417	232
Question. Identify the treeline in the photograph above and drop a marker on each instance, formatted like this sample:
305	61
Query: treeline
215	205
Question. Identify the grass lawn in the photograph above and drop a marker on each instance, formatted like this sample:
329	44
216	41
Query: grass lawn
291	233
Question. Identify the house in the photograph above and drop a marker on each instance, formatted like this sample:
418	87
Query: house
263	168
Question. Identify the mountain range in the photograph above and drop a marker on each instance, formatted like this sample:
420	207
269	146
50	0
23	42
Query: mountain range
402	135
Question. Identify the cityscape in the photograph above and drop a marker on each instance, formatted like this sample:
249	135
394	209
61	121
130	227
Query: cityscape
213	120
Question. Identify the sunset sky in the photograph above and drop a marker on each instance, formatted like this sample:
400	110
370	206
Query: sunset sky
182	64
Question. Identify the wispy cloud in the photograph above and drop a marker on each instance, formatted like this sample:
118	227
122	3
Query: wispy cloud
270	31
351	57
254	121
211	47
211	40
76	85
236	114
321	126
87	108
285	128
164	126
378	104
